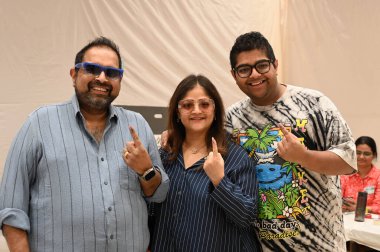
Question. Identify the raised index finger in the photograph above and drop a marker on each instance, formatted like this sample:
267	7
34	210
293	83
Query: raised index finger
134	135
214	146
283	130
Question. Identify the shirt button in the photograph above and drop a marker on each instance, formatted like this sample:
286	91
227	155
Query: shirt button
105	182
110	209
102	159
111	237
179	193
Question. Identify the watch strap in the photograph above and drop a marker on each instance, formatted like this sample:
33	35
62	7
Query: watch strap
147	175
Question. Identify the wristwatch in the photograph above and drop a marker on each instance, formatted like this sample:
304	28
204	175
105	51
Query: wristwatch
148	174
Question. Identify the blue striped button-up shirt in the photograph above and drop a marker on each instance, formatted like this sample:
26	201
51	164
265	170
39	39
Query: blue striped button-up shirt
197	217
71	193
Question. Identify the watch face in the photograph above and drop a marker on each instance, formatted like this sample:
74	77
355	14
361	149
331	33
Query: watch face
150	175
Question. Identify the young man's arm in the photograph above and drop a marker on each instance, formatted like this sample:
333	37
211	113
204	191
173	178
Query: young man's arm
324	162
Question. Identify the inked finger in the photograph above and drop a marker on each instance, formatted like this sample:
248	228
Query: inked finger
282	128
134	135
214	146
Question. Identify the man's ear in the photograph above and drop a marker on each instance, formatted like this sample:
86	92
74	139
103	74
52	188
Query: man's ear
233	73
275	64
73	75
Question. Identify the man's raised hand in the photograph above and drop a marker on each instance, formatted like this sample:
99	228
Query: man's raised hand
135	154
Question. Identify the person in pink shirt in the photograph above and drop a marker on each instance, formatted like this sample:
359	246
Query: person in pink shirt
366	179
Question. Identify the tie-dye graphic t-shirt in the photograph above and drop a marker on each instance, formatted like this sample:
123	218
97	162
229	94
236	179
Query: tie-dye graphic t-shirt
299	210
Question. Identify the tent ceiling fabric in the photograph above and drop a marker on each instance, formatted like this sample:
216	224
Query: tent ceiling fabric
328	45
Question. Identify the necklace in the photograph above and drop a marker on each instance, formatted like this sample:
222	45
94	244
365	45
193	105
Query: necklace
195	150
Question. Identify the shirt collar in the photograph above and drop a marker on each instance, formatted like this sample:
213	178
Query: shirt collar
75	103
371	173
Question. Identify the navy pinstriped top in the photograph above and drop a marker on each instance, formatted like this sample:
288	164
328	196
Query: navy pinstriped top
198	217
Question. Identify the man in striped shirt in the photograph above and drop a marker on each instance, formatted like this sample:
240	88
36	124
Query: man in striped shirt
78	174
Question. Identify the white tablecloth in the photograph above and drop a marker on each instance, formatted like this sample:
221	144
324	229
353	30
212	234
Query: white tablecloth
366	233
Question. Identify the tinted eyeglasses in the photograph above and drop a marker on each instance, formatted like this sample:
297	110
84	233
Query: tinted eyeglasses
364	153
245	70
188	105
96	69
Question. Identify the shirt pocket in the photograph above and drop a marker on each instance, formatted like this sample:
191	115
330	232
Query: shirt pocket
128	178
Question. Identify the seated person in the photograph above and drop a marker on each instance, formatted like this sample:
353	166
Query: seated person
366	179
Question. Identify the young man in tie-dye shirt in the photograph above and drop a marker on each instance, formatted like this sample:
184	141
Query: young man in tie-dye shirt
300	143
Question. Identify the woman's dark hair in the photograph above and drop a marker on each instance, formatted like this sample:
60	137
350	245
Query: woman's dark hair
176	130
368	141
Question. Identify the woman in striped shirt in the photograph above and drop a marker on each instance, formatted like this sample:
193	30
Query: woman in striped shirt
212	198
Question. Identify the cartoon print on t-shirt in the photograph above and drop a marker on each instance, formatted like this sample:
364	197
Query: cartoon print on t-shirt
281	184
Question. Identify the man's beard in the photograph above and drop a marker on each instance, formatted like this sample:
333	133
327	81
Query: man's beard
93	101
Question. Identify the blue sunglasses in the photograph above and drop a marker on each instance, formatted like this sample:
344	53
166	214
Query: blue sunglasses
96	70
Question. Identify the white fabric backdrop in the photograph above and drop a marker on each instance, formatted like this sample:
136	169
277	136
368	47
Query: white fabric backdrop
328	45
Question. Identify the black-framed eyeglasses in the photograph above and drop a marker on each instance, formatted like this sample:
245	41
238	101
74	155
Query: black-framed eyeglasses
245	70
96	69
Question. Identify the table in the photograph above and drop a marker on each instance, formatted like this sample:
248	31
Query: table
366	233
